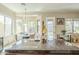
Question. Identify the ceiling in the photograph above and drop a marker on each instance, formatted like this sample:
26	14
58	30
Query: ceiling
43	7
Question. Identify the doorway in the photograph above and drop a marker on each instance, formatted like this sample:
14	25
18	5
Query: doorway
50	28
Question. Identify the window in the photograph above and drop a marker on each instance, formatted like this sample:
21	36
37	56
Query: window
72	26
26	28
1	30
38	26
1	25
8	24
76	26
68	26
31	26
19	26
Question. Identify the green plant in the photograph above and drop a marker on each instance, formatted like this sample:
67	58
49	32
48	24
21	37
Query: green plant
63	32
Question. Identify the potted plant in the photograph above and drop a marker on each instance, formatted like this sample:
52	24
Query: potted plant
63	32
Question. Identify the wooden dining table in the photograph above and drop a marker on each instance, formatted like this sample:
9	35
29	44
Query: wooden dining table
37	48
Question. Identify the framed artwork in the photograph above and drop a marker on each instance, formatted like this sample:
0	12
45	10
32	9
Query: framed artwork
60	21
